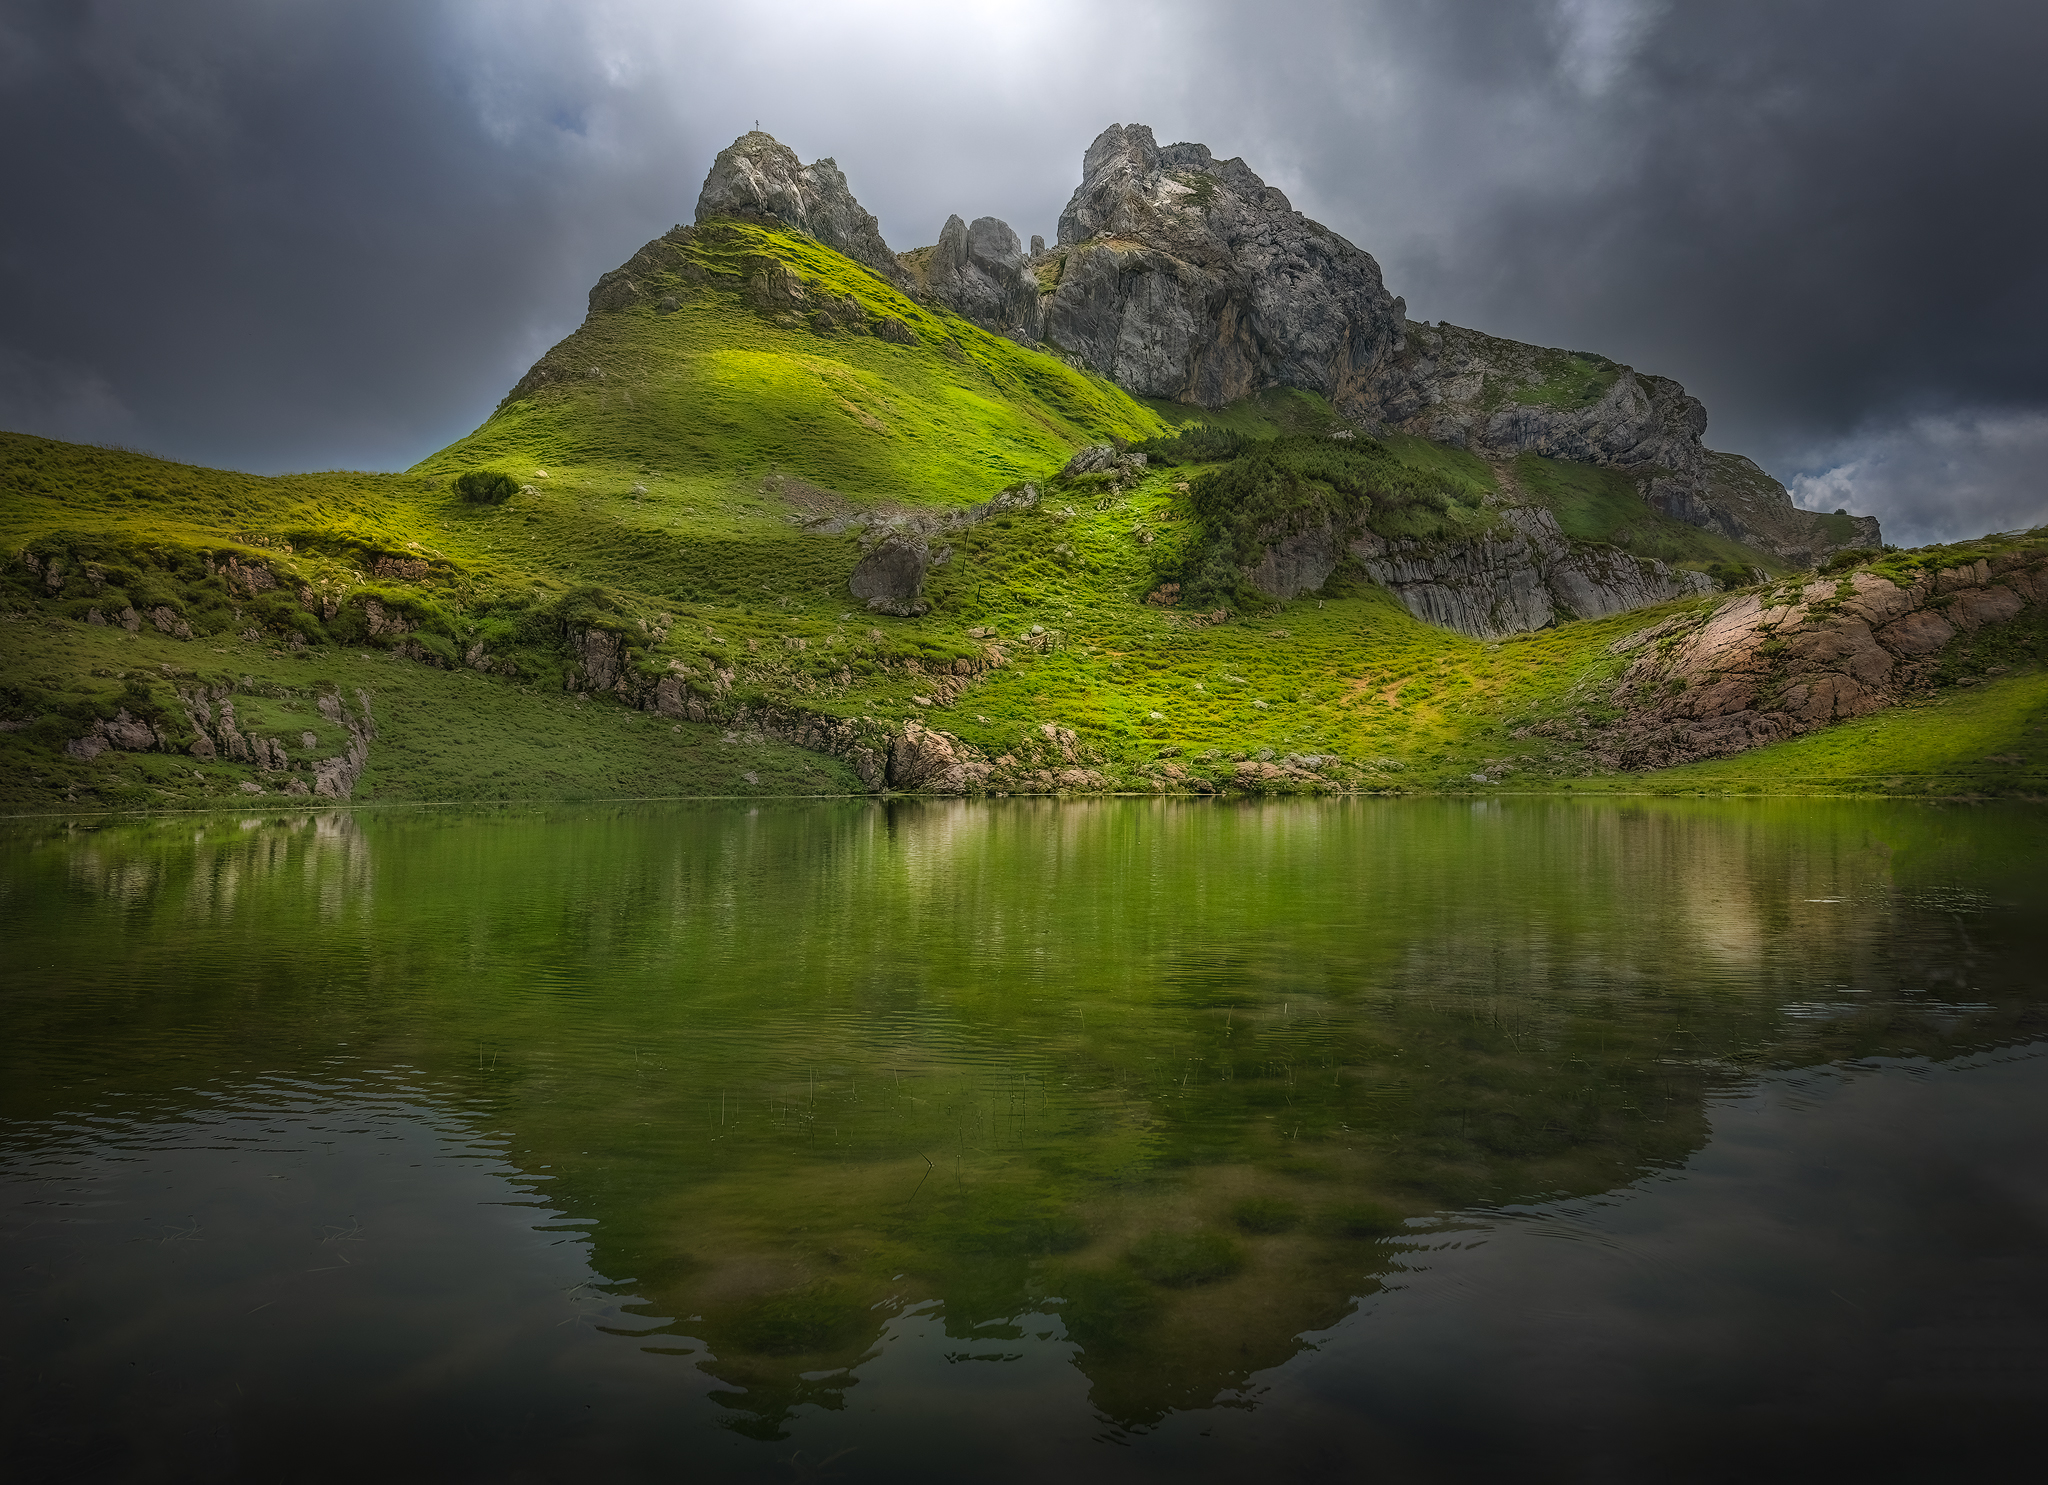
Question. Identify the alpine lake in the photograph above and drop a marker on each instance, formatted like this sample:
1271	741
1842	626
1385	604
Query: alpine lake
1423	1139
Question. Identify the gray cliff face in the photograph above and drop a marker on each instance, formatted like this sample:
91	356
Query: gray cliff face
1527	577
1500	398
979	271
1178	275
1181	276
758	178
1524	576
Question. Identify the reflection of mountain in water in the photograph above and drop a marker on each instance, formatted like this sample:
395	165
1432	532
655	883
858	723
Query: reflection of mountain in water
1180	1076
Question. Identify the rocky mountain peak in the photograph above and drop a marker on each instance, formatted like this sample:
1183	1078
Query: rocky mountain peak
1183	276
759	178
1131	186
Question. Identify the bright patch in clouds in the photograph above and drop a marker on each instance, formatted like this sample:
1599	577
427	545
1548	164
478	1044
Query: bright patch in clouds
1938	478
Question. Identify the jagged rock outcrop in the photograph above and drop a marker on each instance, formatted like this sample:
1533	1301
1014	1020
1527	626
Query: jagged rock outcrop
1179	275
1527	576
980	272
759	179
1524	575
1500	398
1766	666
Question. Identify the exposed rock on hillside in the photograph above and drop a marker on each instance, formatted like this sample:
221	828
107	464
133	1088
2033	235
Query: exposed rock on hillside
1526	576
1179	275
979	272
1500	398
1764	667
759	179
890	578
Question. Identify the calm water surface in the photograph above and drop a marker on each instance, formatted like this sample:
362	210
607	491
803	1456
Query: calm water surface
1407	1140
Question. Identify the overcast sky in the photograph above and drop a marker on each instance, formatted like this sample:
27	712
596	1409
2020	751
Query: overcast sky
277	234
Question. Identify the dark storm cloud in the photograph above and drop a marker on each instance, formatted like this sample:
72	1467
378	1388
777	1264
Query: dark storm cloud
275	235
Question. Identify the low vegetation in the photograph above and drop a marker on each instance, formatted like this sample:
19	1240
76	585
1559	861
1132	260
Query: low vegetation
696	474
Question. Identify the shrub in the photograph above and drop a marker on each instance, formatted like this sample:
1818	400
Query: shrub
1200	444
485	486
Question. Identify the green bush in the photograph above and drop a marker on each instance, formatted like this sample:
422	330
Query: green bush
1285	483
1200	444
485	486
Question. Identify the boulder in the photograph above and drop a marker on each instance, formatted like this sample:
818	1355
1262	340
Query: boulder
890	578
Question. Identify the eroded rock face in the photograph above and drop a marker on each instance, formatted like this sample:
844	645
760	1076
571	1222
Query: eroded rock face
1764	667
979	271
890	578
756	177
1179	275
1500	398
1525	575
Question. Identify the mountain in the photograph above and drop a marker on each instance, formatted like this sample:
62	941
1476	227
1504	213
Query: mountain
792	513
1180	276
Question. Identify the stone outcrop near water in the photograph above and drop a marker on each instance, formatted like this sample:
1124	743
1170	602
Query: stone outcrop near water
1770	665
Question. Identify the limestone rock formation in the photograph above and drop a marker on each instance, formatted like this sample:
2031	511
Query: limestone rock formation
1500	398
1525	575
1746	504
1179	275
756	177
1767	666
979	272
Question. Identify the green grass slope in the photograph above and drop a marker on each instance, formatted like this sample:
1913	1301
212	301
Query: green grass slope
684	466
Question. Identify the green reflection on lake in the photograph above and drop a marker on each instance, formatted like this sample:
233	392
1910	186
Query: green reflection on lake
1182	1073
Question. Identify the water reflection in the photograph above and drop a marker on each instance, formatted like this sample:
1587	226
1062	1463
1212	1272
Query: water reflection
1158	1091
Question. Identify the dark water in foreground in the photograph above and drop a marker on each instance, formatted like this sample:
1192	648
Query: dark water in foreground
1403	1140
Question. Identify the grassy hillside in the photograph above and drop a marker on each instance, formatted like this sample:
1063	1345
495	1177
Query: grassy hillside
687	468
